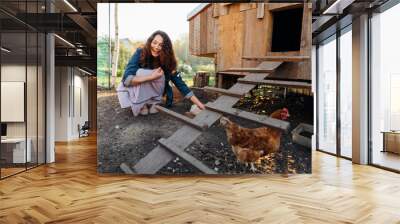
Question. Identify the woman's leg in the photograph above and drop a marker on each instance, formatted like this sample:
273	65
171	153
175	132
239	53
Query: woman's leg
146	93
128	81
151	91
144	110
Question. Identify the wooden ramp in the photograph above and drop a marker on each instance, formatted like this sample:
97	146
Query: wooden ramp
297	58
240	74
264	67
176	144
277	82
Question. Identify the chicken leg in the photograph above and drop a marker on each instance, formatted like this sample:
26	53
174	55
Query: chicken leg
253	168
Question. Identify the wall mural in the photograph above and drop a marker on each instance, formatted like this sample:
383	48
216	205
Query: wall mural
213	88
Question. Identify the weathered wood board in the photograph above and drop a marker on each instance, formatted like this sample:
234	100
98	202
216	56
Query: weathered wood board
172	145
295	84
260	119
188	121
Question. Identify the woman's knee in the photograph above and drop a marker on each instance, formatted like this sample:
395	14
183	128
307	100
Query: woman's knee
128	80
144	72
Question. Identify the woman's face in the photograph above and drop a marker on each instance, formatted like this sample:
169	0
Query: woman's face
156	45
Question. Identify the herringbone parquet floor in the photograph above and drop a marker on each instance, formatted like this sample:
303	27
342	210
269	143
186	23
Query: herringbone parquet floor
71	191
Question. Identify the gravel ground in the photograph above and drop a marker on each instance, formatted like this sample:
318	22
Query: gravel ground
123	138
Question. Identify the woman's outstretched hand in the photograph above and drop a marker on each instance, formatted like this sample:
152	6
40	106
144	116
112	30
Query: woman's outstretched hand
196	101
201	106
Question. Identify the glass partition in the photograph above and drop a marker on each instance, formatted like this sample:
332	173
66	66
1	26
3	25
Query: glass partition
13	103
41	97
327	96
22	88
346	93
385	89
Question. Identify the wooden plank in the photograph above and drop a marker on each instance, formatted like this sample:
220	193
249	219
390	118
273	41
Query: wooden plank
196	35
170	145
226	101
283	58
295	84
230	38
283	6
245	88
269	65
256	76
254	70
223	10
203	32
153	161
220	80
209	117
233	73
256	32
127	170
160	156
261	119
244	6
306	38
191	38
183	118
211	32
215	10
260	10
198	10
242	88
240	74
224	91
264	67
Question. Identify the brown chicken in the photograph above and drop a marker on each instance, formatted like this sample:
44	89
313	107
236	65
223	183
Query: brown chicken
250	144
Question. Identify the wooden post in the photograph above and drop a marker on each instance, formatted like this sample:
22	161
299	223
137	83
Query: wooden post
201	79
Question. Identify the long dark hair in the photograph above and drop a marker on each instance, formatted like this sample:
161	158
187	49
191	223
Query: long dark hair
166	59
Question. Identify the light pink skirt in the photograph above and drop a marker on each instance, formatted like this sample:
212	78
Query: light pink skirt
138	96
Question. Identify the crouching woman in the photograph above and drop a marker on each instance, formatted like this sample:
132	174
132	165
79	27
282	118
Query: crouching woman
149	71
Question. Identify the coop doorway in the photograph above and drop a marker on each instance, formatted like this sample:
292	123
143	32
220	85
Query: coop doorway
286	33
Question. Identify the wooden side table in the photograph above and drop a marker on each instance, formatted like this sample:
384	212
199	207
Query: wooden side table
391	141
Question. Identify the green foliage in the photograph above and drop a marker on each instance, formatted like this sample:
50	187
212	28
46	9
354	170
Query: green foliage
103	61
123	59
181	48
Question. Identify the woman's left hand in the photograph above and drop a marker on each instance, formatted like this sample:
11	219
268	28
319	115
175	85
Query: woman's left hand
196	101
201	105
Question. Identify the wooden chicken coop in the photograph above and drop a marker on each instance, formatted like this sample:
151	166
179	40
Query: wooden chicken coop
248	38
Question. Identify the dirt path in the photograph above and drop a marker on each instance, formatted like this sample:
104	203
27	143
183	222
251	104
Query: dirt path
123	138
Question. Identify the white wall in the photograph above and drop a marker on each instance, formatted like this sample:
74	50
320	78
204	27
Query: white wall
12	73
33	126
70	83
61	103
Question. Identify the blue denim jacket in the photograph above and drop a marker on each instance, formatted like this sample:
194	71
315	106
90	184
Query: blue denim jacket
133	65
